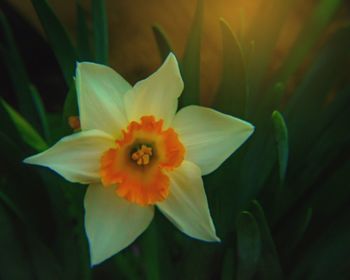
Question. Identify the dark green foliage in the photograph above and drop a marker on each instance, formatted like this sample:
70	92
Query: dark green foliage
58	38
100	31
190	64
163	43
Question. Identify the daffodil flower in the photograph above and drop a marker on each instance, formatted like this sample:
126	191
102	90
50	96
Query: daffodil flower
136	152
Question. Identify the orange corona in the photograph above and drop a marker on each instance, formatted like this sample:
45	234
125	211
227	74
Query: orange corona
140	160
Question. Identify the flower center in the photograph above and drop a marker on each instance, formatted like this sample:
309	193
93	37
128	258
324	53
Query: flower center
142	155
139	163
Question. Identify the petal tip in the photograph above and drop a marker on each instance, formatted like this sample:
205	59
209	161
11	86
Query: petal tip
30	160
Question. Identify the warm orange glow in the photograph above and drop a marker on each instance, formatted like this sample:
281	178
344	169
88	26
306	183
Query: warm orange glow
138	163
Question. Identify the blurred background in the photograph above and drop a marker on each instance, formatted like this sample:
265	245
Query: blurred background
133	50
281	204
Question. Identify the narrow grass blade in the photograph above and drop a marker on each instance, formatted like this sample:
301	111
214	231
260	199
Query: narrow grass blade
70	107
306	108
41	112
100	27
57	37
163	42
232	95
269	265
83	38
28	133
302	227
281	136
191	60
151	253
265	31
27	100
248	245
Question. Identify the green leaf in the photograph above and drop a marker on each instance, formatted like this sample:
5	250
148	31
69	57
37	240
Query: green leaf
125	267
155	253
41	111
229	265
265	30
331	196
302	226
23	255
315	25
70	107
83	38
281	136
28	133
248	245
327	69
190	65
151	253
232	95
163	42
327	256
100	27
70	245
269	264
57	37
306	108
28	101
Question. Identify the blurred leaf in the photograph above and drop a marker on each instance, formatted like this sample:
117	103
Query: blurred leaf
11	205
327	255
269	264
57	37
316	23
29	101
302	227
292	228
233	92
155	252
100	27
281	136
163	42
329	198
190	65
248	245
28	133
328	67
70	107
71	245
126	268
272	101
83	39
265	30
256	165
229	265
41	111
305	110
151	253
7	127
323	160
23	255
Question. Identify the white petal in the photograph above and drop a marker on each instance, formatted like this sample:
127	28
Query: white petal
112	223
76	157
187	205
100	96
157	95
209	136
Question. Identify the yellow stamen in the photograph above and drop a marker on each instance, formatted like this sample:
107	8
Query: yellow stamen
142	156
